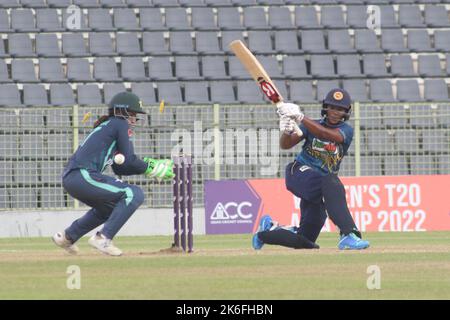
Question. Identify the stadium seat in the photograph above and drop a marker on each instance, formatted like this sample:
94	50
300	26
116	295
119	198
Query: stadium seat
165	3
286	42
306	17
374	65
70	24
133	69
47	20
180	43
58	118
35	95
111	89
406	141
402	66
255	18
176	19
22	20
423	164
10	146
408	91
280	18
59	3
100	44
357	17
145	91
23	71
125	20
380	142
419	41
339	42
324	86
61	95
9	4
443	162
409	16
236	70
4	22
160	68
153	43
20	45
435	90
357	89
100	20
88	95
436	16
395	116
435	141
73	45
207	43
332	17
229	19
203	19
259	42
393	41
422	116
151	19
52	198
295	67
270	64
78	69
23	198
105	69
348	66
313	41
388	20
395	165
366	41
213	68
187	68
370	116
59	145
47	45
196	93
31	146
170	92
430	66
6	175
222	92
140	3
228	36
86	3
247	92
371	166
51	70
10	96
235	118
322	66
442	40
127	44
381	91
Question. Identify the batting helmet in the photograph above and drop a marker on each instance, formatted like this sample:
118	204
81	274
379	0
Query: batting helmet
126	101
338	98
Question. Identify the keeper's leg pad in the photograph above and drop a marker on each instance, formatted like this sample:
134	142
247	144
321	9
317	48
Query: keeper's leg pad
286	238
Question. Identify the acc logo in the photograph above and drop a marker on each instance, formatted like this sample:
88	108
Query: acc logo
231	211
130	132
338	95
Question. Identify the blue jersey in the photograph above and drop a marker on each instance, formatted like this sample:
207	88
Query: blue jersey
323	155
98	148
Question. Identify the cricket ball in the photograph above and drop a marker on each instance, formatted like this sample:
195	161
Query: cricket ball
119	158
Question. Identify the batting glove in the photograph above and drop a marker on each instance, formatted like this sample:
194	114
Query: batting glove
161	170
290	110
287	125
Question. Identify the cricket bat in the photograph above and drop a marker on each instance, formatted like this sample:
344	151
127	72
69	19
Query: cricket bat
259	74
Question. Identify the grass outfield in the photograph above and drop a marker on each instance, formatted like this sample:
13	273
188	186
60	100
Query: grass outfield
413	266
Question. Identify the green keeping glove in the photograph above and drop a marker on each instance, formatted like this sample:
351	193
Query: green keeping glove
161	170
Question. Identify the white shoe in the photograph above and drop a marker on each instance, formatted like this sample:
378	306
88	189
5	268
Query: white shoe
105	245
60	240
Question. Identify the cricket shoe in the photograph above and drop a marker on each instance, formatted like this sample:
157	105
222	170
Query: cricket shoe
61	241
352	242
264	225
105	245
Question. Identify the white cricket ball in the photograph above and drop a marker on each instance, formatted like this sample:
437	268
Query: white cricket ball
119	158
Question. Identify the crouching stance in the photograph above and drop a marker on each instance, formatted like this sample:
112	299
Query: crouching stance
112	201
313	176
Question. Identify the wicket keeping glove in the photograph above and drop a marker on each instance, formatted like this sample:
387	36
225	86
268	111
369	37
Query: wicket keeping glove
161	170
290	110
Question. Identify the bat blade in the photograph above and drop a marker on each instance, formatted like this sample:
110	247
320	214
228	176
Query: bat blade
256	70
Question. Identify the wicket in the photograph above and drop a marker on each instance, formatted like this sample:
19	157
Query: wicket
182	202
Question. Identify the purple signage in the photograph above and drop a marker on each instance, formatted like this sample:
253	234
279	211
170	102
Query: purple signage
230	207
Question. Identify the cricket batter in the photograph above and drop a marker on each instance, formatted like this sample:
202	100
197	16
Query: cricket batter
313	176
112	201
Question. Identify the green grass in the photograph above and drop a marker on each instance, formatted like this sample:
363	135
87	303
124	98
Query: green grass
413	266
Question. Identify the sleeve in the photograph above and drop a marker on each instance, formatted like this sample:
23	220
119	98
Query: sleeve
347	133
132	165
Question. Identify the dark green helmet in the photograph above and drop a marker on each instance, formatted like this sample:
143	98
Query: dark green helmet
127	101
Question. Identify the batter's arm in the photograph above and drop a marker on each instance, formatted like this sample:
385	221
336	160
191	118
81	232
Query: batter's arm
322	132
287	141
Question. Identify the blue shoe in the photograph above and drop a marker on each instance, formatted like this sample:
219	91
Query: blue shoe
264	224
352	242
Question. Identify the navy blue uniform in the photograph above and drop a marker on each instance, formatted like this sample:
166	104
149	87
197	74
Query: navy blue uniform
112	201
313	178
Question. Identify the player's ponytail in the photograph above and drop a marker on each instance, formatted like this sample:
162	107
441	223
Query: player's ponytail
103	118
